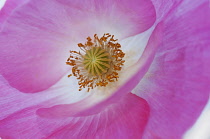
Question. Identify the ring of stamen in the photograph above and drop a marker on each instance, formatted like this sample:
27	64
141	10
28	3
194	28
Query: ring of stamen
98	63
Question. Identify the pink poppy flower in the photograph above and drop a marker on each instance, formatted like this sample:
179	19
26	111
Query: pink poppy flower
162	87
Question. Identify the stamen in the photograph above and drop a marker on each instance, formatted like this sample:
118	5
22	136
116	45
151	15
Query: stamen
98	63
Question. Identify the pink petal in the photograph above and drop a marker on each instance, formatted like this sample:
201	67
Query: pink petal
122	18
124	119
9	7
12	100
36	38
177	84
17	107
163	7
92	104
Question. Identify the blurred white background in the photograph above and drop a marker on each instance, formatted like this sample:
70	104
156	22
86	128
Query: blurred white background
2	3
200	130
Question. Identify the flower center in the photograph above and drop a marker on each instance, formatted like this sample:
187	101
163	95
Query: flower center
98	63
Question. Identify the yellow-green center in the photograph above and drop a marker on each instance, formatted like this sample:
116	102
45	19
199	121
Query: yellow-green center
97	61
